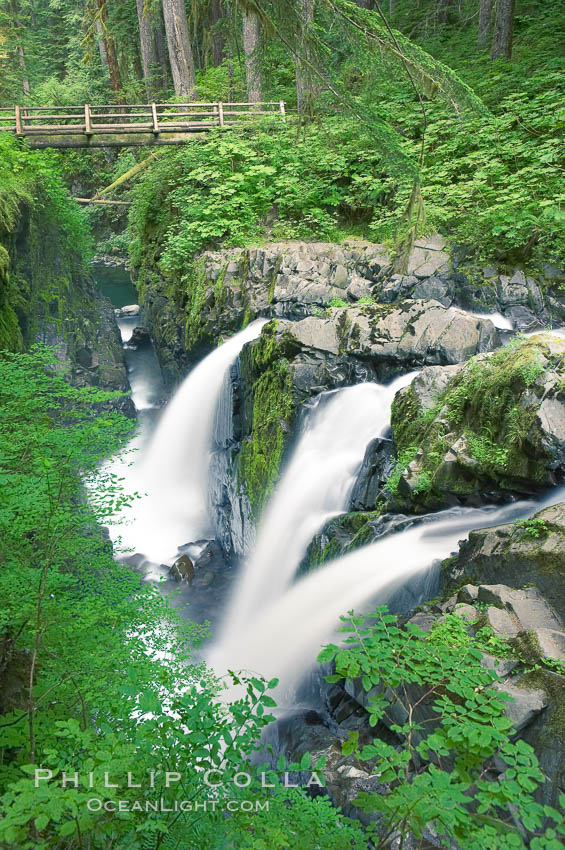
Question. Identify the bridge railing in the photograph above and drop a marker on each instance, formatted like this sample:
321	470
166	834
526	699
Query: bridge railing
131	118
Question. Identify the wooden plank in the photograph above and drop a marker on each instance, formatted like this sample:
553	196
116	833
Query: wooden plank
186	112
232	112
79	115
124	114
185	105
248	103
51	108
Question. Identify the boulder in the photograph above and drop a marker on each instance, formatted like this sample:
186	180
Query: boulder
428	258
551	643
502	623
139	338
182	570
483	430
373	474
128	311
468	593
413	334
359	287
525	704
528	608
523	319
509	554
436	289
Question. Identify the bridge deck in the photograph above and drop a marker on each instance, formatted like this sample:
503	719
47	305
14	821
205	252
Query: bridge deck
127	124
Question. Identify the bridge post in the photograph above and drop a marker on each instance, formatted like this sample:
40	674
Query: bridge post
281	108
155	122
221	113
18	114
87	120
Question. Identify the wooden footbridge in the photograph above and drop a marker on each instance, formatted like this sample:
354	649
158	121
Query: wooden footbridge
88	126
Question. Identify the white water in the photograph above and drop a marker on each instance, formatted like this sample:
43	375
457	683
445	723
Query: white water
276	628
284	638
498	320
171	475
315	486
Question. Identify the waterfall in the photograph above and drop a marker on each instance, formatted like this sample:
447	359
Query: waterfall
283	638
172	474
499	321
315	486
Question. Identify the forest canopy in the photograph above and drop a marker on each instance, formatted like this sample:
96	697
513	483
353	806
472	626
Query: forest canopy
463	101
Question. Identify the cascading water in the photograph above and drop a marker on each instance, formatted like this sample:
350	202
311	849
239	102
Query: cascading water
283	638
172	474
274	627
499	321
316	485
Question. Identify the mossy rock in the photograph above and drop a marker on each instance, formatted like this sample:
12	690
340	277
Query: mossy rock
269	406
341	534
496	426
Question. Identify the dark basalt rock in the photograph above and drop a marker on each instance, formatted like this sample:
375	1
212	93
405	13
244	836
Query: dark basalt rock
140	338
516	555
377	465
182	569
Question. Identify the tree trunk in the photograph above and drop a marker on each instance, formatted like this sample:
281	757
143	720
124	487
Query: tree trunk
23	69
180	48
14	10
251	36
113	67
503	29
138	64
302	68
101	43
149	58
485	20
391	7
161	50
444	8
218	40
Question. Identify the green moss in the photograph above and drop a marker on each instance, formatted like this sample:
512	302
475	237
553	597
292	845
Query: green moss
406	418
244	264
493	404
196	285
219	290
342	534
321	554
554	686
274	406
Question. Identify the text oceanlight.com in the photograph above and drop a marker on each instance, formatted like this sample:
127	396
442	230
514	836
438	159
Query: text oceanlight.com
95	804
